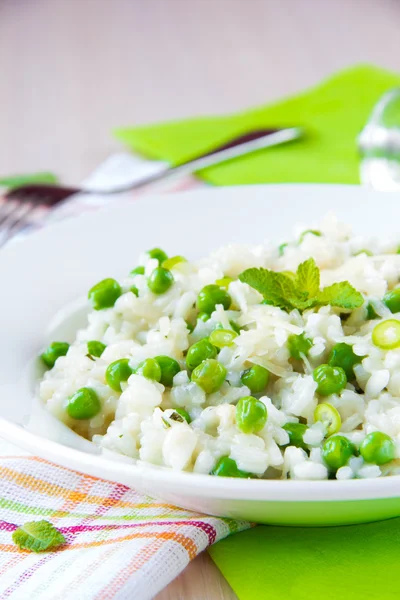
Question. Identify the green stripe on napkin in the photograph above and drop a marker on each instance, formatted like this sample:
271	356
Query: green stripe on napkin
333	113
357	562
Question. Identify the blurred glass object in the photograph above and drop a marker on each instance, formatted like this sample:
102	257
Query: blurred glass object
379	145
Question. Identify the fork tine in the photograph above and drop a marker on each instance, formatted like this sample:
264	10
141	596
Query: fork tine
14	215
15	222
6	209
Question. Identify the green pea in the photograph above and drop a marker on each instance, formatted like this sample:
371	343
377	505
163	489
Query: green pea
158	254
170	263
134	290
169	368
330	380
227	467
160	280
104	294
378	448
203	317
307	232
117	372
251	414
371	312
84	404
138	270
256	378
210	296
150	369
342	355
329	416
386	334
95	348
392	300
336	452
299	345
52	352
222	337
296	432
182	413
224	282
200	351
209	375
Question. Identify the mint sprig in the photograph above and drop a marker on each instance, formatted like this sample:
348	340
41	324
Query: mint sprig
38	536
308	278
302	290
341	294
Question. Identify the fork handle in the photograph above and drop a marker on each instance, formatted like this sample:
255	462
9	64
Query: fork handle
54	195
238	147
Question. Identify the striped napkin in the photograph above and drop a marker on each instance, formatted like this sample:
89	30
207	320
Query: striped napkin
120	544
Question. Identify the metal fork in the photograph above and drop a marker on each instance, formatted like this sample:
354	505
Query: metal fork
18	214
25	205
12	215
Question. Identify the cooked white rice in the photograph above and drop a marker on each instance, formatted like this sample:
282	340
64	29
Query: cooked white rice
137	422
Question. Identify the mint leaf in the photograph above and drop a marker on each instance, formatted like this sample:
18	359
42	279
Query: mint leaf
38	536
300	291
14	181
342	295
277	288
307	278
285	289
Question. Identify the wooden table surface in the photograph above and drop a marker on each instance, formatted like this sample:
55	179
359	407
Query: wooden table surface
72	70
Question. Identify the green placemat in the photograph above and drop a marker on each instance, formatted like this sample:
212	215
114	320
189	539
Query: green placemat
356	562
333	113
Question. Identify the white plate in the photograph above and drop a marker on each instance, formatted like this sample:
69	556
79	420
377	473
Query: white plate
53	267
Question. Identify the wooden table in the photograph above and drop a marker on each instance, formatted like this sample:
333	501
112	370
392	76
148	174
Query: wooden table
72	70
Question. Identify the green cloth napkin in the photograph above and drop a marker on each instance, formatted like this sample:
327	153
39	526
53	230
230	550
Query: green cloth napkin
13	181
357	562
333	113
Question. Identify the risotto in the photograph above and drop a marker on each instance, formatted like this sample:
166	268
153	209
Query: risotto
277	362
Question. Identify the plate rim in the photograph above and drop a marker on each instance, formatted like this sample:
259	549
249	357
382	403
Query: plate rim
292	491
